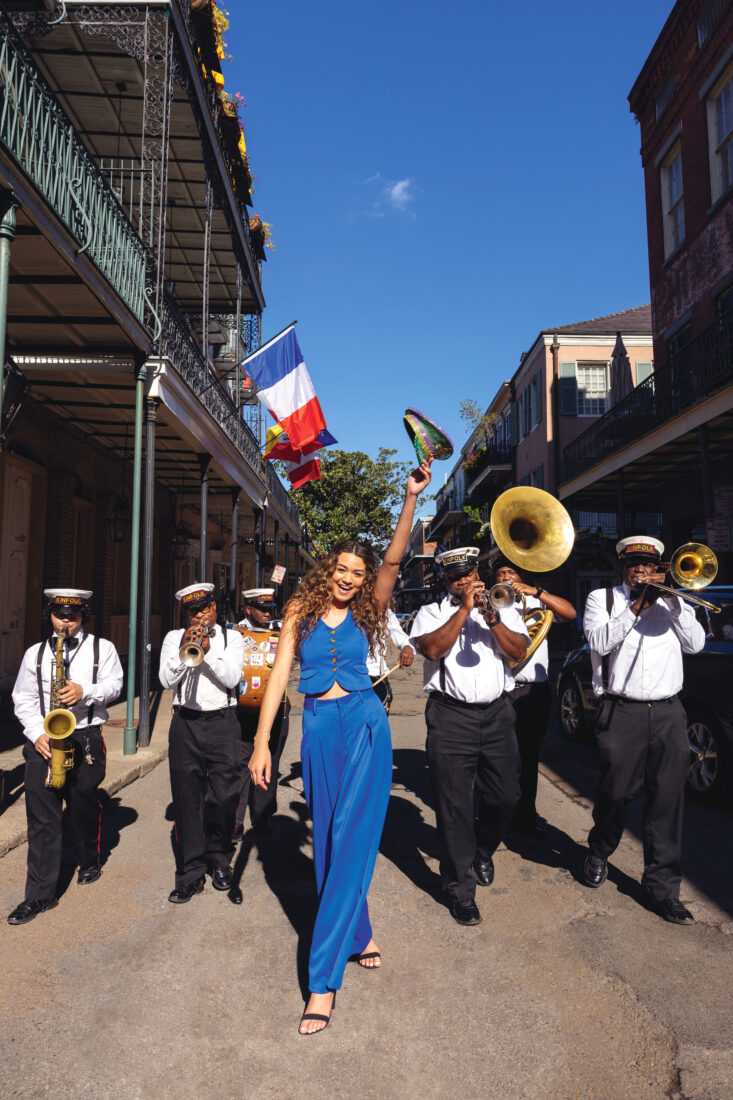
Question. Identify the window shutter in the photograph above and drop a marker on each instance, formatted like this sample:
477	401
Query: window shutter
643	370
568	390
538	397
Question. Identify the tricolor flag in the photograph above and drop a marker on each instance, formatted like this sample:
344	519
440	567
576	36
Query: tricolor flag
285	388
278	445
301	465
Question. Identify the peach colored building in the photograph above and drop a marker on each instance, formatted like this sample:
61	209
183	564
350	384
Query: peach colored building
563	384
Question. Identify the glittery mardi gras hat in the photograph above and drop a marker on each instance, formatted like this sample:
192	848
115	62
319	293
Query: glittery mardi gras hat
429	440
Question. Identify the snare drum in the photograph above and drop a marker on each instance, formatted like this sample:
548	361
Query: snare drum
260	647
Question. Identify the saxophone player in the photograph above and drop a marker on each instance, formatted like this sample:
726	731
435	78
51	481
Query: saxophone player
90	678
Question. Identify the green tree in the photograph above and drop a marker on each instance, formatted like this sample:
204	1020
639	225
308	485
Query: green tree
355	499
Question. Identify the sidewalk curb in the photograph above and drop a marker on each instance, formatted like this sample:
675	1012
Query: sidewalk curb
14	834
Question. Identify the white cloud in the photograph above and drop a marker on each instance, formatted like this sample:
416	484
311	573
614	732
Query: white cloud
385	196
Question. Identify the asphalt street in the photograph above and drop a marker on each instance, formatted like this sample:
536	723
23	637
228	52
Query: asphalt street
561	992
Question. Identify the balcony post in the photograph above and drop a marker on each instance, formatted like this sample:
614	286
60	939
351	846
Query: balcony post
129	742
707	480
143	726
233	585
8	205
204	463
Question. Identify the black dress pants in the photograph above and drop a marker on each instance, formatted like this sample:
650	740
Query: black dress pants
646	746
44	808
467	745
204	760
262	804
532	703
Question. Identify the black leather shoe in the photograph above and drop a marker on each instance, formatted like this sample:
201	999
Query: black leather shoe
88	874
483	870
237	834
595	871
221	878
182	894
30	908
670	909
465	912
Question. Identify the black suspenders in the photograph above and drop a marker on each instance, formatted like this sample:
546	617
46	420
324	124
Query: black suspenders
39	677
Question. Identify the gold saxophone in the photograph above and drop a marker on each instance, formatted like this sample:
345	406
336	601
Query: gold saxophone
59	724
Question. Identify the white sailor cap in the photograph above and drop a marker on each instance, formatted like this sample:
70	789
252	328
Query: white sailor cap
460	561
196	594
639	546
259	595
71	598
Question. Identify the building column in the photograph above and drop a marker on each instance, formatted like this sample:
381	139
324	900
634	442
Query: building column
233	583
707	479
204	463
143	727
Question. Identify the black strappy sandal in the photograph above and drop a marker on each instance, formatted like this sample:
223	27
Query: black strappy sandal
367	955
317	1016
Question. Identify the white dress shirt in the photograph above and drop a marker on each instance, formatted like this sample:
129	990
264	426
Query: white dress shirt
645	651
80	668
476	669
204	687
535	669
377	665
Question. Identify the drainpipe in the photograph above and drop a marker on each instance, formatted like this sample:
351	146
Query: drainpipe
129	744
9	203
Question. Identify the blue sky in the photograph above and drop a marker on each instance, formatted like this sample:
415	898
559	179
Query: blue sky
443	181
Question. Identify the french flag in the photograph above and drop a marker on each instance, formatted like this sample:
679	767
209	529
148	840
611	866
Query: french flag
286	390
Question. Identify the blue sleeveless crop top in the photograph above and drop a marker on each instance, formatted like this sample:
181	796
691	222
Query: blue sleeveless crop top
334	655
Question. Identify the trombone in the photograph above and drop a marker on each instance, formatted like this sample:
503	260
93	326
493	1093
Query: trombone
693	566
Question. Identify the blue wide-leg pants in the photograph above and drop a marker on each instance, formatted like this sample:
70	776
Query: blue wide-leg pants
347	774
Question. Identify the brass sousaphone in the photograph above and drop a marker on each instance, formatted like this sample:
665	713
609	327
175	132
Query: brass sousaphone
535	533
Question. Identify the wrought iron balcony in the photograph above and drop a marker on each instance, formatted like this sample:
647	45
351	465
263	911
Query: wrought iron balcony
39	135
696	371
179	346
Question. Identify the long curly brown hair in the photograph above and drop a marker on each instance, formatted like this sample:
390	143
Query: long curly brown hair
314	597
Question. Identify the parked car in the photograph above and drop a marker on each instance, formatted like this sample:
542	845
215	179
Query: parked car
706	695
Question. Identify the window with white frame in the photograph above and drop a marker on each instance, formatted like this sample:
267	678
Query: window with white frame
592	388
720	135
673	203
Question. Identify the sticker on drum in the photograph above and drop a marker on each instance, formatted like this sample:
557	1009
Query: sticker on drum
255	683
258	659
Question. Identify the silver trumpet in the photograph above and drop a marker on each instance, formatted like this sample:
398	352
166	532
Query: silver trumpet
499	597
191	654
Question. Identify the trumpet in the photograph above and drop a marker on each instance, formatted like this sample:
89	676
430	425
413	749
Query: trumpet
191	654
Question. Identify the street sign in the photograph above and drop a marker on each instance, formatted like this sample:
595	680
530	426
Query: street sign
278	574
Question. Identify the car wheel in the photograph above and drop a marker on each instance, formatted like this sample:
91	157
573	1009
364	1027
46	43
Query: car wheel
707	762
572	716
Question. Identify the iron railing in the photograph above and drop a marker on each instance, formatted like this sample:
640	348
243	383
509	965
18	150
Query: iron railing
694	372
39	135
179	346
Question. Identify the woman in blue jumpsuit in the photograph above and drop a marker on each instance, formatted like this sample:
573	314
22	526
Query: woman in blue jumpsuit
336	616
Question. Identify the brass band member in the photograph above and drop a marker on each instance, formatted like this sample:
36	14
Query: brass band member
260	613
471	740
531	697
76	672
641	726
204	749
